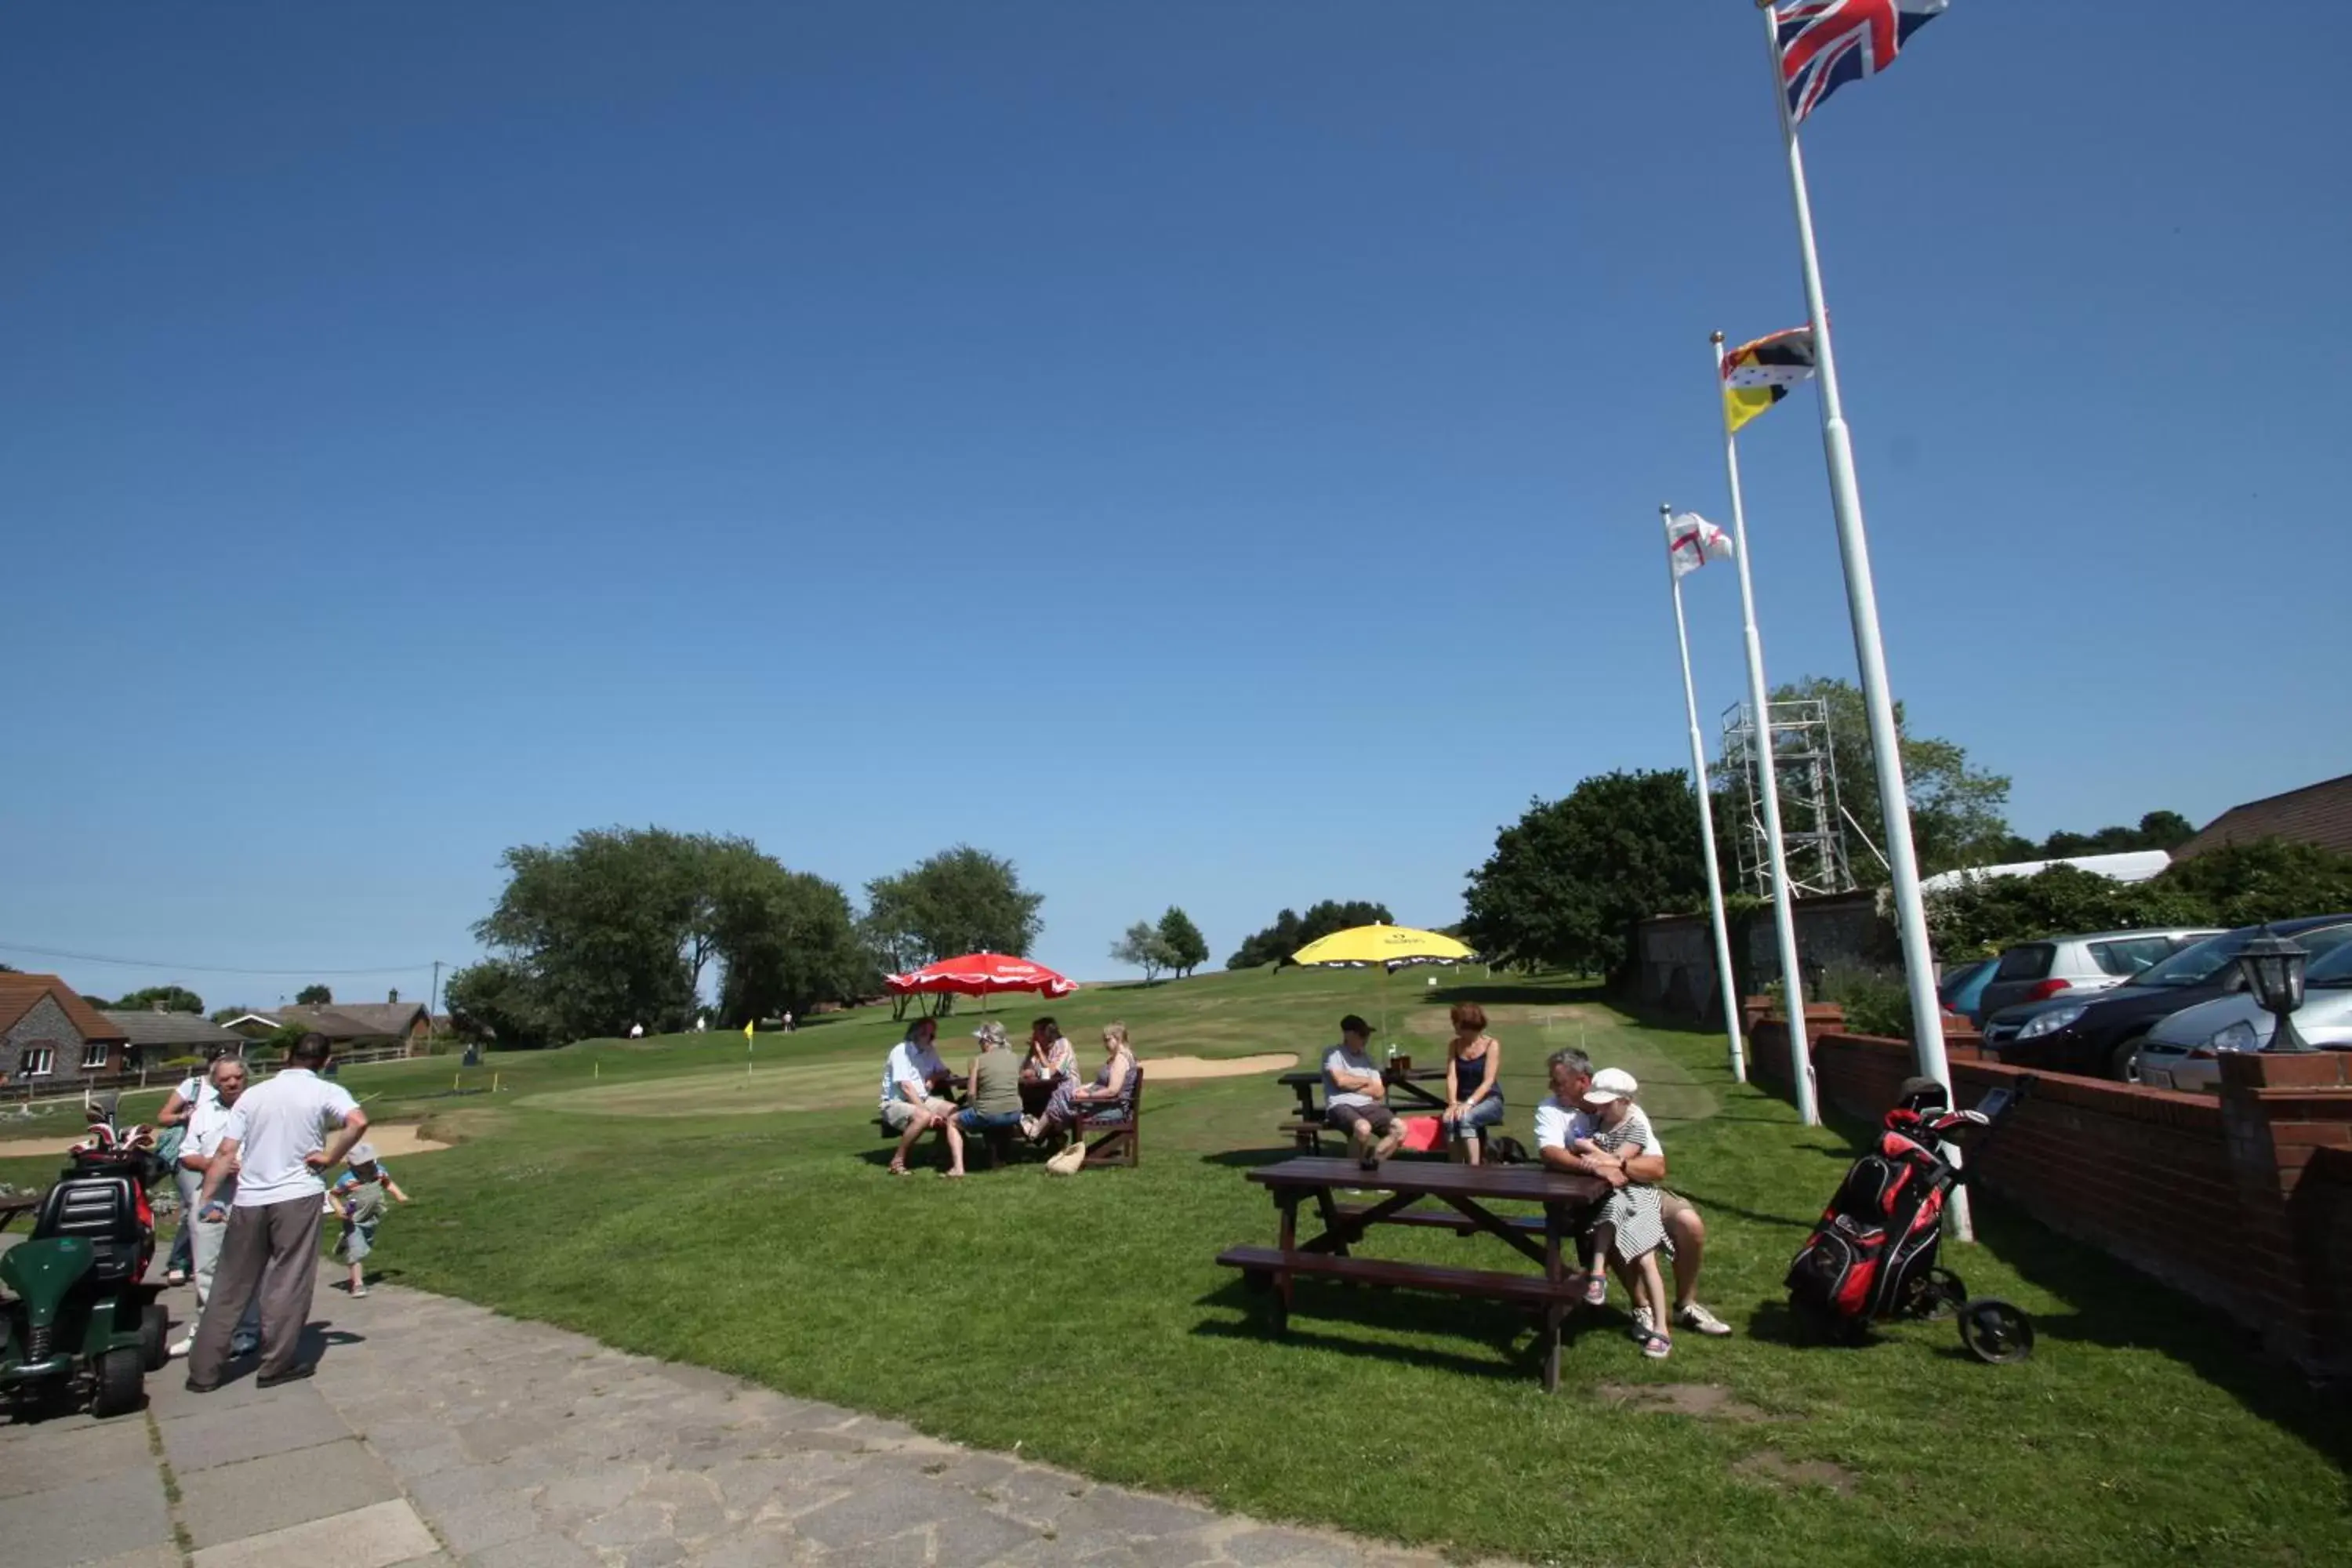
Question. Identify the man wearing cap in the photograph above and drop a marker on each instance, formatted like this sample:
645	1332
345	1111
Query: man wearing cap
1355	1095
914	1087
1562	1120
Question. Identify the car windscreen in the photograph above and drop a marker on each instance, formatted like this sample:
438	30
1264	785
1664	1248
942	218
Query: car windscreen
2331	956
1959	979
2200	963
2130	954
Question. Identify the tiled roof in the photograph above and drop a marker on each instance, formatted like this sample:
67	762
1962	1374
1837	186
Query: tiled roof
151	1028
348	1020
20	993
2317	813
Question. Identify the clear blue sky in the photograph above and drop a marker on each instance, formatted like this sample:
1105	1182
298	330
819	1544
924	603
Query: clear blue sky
1207	452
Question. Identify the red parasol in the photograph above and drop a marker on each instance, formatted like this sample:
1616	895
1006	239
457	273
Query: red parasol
980	974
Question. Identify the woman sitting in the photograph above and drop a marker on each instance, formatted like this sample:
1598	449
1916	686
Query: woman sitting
1473	1088
1114	1082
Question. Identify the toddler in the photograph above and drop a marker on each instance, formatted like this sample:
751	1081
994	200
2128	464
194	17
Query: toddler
359	1198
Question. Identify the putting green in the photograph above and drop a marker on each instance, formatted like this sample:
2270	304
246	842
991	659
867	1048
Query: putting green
724	1092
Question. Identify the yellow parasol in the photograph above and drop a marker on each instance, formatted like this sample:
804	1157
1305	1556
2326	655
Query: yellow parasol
1359	947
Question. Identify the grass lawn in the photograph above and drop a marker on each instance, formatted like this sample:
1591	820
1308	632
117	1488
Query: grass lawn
660	1196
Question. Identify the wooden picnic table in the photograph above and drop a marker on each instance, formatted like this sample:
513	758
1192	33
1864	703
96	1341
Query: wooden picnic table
1465	1191
11	1207
1407	1095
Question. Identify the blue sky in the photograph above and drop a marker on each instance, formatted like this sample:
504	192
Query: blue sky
1209	453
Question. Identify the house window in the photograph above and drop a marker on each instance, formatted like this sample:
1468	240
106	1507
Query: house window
95	1055
39	1060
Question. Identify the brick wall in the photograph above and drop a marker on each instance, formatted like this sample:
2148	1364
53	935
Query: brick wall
43	1024
2241	1200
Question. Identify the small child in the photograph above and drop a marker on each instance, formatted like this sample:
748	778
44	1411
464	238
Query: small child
1631	1229
358	1198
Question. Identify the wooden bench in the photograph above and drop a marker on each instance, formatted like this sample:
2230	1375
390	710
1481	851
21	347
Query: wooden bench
1260	1265
1116	1133
1307	1135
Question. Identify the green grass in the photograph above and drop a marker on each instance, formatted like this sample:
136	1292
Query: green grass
1084	1320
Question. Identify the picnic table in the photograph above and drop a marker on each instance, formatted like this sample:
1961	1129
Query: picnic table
11	1207
1465	1191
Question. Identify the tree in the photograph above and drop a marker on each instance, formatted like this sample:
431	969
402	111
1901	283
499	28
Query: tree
2263	880
313	996
160	998
786	940
956	901
1143	947
1290	930
1568	881
1957	812
1187	948
496	1002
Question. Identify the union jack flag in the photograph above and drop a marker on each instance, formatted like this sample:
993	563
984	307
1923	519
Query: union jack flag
1825	44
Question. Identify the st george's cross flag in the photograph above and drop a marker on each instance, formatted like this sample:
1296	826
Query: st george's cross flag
1692	542
1825	44
1758	374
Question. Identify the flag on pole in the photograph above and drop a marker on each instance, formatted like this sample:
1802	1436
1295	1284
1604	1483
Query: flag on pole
1692	542
1825	44
1758	374
748	1025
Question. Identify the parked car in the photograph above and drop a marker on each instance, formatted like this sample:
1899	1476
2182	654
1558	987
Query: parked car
2031	971
1961	991
2185	1050
2100	1034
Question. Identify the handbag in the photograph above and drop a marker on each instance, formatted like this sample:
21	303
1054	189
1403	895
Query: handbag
1067	1161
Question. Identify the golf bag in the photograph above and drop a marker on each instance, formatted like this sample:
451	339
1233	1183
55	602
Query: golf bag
1874	1256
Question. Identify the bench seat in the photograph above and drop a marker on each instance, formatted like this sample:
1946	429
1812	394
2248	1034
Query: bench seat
1528	1290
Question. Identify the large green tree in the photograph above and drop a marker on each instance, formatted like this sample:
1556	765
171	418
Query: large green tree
1569	879
1958	812
956	901
786	940
1292	931
1142	947
313	996
169	998
1187	948
498	1002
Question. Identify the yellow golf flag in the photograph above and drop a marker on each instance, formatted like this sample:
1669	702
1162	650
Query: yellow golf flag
748	1025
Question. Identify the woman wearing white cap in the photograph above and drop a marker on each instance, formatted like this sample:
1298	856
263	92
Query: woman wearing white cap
1631	1229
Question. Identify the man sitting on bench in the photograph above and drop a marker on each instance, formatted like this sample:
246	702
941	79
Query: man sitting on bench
914	1087
1355	1095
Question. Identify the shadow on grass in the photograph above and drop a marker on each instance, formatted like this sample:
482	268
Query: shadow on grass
1405	1311
1251	1159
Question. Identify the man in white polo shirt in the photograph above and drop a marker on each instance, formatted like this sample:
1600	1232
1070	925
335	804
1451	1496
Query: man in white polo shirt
280	1135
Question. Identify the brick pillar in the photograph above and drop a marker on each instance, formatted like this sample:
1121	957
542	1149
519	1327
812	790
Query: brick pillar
2279	1111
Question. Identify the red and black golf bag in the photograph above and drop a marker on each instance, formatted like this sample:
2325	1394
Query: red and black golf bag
1875	1246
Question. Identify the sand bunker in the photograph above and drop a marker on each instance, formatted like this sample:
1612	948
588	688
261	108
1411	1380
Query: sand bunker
391	1141
1176	1069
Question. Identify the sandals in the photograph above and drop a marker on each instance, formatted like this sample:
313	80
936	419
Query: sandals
1657	1346
1596	1289
900	1171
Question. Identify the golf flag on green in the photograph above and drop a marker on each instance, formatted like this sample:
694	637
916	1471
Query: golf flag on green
1758	374
748	1025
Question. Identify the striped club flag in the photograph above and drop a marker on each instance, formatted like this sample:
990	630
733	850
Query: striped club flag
1758	374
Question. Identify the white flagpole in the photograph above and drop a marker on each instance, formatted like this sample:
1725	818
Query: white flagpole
1768	780
1861	607
1730	982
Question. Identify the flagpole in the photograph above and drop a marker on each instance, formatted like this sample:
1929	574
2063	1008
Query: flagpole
1768	779
1730	982
1861	607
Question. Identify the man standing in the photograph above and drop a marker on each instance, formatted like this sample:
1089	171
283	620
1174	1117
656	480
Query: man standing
277	1142
1355	1095
1560	1120
207	1125
914	1089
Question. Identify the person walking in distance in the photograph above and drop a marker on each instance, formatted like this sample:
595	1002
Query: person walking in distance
280	1135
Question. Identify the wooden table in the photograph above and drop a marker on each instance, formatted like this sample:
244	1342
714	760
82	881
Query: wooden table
1406	1095
11	1207
1465	1191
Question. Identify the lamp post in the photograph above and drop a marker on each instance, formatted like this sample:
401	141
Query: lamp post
2273	969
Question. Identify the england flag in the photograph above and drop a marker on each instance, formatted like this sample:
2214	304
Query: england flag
1692	542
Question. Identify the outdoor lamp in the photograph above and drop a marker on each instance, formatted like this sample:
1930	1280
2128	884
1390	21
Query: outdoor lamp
2273	969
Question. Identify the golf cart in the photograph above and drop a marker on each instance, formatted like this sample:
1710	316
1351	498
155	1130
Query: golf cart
79	1322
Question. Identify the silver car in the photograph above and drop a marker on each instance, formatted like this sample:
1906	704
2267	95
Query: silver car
2185	1050
2033	970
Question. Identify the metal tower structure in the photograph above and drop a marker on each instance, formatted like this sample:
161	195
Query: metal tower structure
1813	824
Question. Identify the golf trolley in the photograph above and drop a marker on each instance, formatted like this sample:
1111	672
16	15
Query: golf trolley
1872	1258
79	1322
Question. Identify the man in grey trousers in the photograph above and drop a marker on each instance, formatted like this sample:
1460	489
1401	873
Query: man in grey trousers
280	1135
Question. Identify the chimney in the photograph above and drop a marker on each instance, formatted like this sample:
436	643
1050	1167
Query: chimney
393	997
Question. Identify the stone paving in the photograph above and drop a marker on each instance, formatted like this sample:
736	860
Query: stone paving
438	1433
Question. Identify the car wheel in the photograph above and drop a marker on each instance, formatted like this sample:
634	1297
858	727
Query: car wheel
121	1384
2123	1065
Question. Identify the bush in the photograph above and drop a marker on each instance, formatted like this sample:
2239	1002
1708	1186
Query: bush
1874	1000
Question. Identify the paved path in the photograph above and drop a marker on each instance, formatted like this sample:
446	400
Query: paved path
438	1433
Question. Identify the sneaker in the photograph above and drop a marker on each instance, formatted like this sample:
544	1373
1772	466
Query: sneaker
179	1346
1596	1289
176	1276
359	1291
1691	1315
